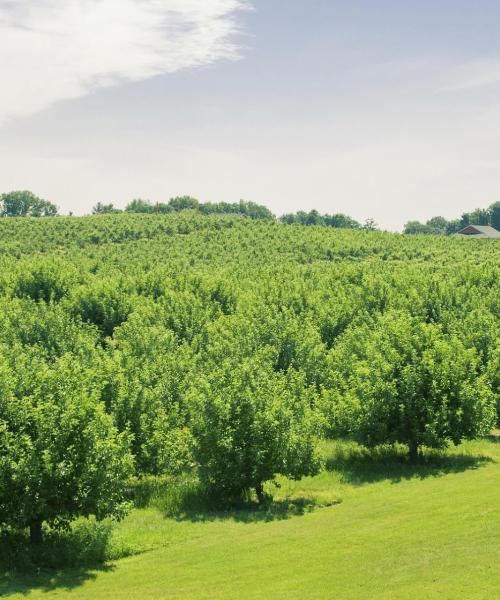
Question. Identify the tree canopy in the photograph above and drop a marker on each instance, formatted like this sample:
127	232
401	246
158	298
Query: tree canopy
25	204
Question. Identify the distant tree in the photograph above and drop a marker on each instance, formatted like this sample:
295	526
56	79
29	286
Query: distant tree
60	455
101	209
479	216
434	226
494	215
183	203
438	225
341	221
140	206
244	208
416	227
370	225
26	204
251	424
453	226
465	220
254	211
313	217
288	218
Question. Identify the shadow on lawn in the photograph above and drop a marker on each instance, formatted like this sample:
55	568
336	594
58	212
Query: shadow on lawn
64	561
249	512
358	465
45	580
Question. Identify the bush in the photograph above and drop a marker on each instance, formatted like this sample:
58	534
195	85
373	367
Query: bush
400	380
251	424
44	280
60	455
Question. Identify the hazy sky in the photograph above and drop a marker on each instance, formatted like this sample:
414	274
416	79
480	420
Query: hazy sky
387	109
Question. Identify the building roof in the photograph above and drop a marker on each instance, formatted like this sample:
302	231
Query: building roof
481	231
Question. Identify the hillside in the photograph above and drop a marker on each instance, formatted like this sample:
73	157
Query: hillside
294	412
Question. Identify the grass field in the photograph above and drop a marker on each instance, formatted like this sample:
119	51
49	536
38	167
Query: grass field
369	526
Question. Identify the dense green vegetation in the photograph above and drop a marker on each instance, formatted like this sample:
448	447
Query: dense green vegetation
179	203
216	354
25	204
441	226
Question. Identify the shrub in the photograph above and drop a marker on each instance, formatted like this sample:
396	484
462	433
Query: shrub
251	424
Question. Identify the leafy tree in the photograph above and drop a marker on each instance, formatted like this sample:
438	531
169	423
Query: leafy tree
44	280
438	224
102	209
434	226
254	211
182	203
453	226
494	214
48	328
102	304
400	380
251	424
480	216
341	221
370	225
243	208
313	217
24	204
145	384
416	227
60	455
139	206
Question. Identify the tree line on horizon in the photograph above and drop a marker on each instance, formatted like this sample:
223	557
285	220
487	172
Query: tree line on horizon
27	204
441	226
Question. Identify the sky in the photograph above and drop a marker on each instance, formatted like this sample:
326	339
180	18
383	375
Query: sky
387	110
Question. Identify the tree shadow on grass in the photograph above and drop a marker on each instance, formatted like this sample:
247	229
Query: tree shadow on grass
46	580
64	561
187	500
358	465
249	512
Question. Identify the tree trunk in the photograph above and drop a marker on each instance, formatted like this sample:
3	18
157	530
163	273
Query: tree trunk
413	445
260	493
36	533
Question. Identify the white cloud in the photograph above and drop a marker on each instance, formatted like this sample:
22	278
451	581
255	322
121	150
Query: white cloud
52	50
474	74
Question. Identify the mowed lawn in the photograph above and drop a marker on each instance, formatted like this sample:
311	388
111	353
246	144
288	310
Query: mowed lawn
381	529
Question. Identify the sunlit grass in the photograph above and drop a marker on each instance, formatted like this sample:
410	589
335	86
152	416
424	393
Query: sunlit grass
369	526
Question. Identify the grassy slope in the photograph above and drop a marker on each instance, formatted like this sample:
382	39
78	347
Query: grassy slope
400	532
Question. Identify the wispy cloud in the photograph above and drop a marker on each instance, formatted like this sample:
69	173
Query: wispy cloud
52	50
474	74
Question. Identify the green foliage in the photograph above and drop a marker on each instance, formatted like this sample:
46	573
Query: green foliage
251	424
243	208
103	209
139	206
217	346
400	380
440	226
102	304
60	456
47	280
338	220
25	204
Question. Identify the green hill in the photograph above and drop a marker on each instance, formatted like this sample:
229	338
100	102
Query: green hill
218	347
